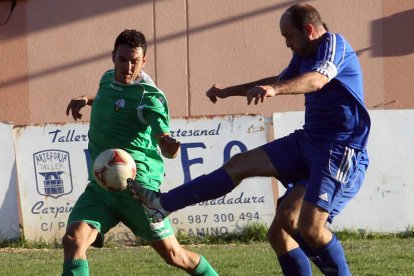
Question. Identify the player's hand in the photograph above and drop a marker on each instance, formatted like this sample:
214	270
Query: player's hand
260	93
216	91
169	146
75	105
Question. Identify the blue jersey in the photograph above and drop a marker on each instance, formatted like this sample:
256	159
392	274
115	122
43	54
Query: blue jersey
336	112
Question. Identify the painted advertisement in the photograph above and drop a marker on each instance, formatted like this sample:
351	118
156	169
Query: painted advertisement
52	168
53	162
207	143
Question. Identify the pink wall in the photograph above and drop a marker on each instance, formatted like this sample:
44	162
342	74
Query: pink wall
54	50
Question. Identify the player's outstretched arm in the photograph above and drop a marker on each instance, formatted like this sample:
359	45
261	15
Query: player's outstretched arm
168	145
218	91
76	104
302	84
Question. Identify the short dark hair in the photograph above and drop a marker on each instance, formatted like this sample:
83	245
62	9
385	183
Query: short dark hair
132	38
302	14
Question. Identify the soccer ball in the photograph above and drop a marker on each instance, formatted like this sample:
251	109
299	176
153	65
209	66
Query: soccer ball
112	168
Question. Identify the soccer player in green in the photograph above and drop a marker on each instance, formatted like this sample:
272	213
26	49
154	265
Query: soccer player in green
131	113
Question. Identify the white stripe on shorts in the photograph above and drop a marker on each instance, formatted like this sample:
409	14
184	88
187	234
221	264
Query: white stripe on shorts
344	167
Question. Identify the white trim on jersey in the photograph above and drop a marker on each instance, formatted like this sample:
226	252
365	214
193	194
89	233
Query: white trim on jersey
140	108
140	114
146	78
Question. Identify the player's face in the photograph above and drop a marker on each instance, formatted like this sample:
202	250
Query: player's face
128	63
297	40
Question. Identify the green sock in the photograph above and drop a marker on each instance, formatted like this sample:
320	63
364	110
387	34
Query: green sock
78	267
204	268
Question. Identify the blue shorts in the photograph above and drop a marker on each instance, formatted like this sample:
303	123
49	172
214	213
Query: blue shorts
332	172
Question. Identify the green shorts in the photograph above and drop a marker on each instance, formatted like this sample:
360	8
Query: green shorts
103	210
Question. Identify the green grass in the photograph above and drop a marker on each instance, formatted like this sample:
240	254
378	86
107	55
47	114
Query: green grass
392	256
243	253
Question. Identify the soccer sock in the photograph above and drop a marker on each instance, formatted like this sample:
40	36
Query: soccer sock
308	251
202	188
295	262
204	268
78	267
333	258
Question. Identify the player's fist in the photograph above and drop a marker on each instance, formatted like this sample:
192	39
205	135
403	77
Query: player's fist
216	91
259	93
169	146
75	105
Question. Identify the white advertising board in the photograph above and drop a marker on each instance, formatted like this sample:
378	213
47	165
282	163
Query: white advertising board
52	162
206	143
52	173
9	206
385	202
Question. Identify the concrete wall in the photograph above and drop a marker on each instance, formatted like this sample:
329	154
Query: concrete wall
54	50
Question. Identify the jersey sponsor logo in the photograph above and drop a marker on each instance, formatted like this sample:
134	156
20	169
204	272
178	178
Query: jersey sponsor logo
53	173
119	104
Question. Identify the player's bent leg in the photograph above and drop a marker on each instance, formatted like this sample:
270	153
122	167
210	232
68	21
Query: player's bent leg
323	242
205	187
77	239
312	225
285	223
174	254
251	163
280	240
149	199
291	257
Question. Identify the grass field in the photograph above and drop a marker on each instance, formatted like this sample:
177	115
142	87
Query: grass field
390	256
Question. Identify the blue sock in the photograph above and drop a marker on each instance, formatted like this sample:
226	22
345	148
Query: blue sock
205	187
308	251
333	258
295	262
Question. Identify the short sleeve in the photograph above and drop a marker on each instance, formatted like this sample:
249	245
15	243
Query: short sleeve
330	56
155	113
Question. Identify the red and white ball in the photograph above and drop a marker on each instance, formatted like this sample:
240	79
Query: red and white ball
112	168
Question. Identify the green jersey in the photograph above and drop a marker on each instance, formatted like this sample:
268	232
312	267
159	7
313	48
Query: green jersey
128	117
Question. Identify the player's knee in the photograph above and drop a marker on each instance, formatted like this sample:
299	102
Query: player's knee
238	167
279	239
287	221
69	242
311	234
78	236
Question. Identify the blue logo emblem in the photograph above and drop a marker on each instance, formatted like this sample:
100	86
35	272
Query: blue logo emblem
53	173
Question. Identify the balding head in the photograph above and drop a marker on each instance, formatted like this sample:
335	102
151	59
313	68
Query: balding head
302	14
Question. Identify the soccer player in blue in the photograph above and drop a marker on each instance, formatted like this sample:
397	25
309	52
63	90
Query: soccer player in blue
326	160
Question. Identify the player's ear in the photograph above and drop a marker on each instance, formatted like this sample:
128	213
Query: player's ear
308	28
144	60
113	56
